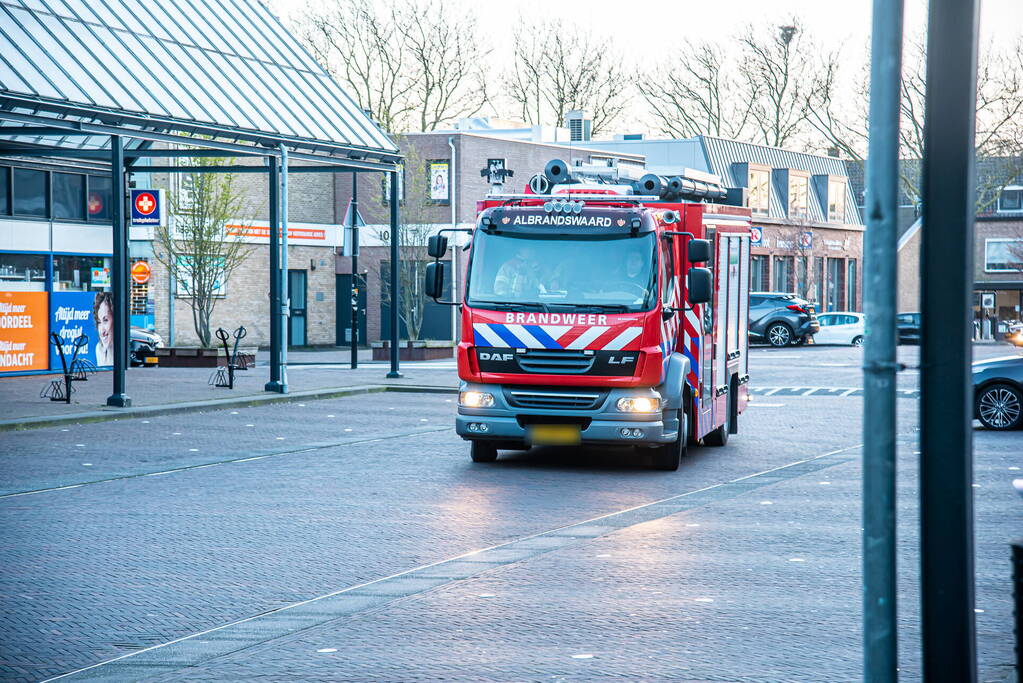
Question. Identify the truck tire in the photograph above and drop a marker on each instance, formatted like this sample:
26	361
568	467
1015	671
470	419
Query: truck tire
778	335
668	457
483	451
719	437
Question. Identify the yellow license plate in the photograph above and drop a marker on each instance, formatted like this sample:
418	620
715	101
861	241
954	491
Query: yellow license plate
554	435
152	360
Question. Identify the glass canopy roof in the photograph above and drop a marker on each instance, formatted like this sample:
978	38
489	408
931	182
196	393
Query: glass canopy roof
222	70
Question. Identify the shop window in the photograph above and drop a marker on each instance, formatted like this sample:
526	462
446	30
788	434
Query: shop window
81	273
1003	255
850	282
783	273
68	196
1010	199
99	198
836	284
818	276
22	273
29	193
798	196
802	271
836	201
758	273
5	190
759	191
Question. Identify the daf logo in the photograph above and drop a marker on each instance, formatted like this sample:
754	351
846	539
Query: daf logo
620	360
496	356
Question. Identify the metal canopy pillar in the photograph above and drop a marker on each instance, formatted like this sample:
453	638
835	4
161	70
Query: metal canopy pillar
356	285
946	461
285	311
119	273
880	628
273	185
395	264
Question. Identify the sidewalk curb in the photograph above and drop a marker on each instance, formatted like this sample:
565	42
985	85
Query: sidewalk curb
108	414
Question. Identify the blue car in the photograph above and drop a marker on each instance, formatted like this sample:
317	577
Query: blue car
998	392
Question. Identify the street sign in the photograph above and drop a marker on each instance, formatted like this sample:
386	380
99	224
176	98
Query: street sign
987	300
146	207
806	240
756	236
140	272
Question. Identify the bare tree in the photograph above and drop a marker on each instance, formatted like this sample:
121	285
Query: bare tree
413	65
413	235
698	93
193	246
780	68
999	123
559	67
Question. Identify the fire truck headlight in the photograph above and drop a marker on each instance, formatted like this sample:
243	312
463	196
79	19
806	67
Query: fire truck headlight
639	404
475	399
548	206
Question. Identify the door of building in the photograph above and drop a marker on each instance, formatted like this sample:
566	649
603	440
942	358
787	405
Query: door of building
344	310
297	309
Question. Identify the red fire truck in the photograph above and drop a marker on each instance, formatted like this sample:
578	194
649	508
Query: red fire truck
603	308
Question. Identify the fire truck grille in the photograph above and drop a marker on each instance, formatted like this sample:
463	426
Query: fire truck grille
555	362
529	398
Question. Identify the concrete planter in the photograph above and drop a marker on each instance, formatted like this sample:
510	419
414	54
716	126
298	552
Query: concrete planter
198	357
418	349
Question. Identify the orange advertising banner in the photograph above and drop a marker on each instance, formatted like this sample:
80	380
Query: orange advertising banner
24	319
235	230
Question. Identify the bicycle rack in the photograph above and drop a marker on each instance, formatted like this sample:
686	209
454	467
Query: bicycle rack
76	370
224	375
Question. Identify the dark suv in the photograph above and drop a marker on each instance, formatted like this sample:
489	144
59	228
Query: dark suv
781	319
908	325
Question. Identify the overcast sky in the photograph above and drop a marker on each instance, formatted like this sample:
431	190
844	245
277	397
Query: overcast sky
649	33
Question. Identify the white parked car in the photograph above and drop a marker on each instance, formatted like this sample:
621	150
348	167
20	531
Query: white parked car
840	327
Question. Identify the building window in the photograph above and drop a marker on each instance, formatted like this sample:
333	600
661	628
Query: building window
818	276
1010	198
22	273
30	193
758	273
799	191
99	198
401	186
836	201
1003	255
759	191
5	190
439	178
68	196
850	282
836	285
783	273
802	272
81	273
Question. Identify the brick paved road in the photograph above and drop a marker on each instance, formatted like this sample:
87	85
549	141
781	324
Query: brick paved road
108	568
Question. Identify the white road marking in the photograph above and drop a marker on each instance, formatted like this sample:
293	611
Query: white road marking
767	405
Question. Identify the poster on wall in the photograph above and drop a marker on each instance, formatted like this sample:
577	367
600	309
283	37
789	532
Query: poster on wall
73	314
23	331
439	181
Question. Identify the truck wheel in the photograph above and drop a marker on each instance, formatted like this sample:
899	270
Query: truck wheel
778	335
668	456
719	437
483	451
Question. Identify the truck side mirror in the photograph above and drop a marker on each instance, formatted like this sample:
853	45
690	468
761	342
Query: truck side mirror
698	251
437	245
434	279
701	285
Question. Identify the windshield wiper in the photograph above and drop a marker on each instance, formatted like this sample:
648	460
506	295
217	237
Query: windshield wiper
601	308
509	306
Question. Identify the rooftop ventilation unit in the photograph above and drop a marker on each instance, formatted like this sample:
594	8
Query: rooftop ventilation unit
579	124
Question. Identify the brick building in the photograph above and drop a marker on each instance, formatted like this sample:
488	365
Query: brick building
998	241
459	157
809	227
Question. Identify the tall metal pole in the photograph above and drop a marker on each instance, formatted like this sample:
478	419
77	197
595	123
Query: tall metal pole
880	652
119	274
273	183
285	295
356	286
395	264
946	461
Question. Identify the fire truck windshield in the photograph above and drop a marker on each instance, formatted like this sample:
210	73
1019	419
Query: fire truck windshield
615	273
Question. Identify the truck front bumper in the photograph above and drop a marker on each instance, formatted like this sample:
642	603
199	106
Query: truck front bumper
602	423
